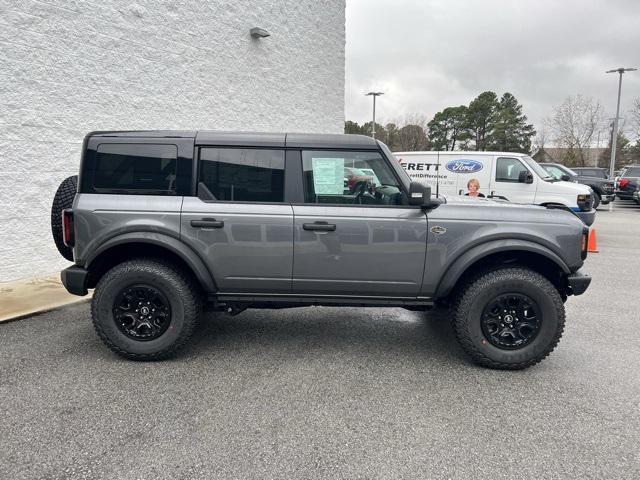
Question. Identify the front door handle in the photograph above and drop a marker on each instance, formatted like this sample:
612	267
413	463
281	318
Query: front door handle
207	223
319	227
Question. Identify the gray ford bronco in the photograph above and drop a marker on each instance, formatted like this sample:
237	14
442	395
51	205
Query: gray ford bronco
164	223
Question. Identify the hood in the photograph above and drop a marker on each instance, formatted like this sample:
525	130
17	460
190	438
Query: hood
484	202
566	187
488	209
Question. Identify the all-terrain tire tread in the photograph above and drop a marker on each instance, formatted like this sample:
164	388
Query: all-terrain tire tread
474	287
62	199
185	287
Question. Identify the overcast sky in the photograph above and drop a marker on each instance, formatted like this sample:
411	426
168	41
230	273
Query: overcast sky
429	54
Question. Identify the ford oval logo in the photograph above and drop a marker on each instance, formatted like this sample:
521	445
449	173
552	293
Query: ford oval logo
464	166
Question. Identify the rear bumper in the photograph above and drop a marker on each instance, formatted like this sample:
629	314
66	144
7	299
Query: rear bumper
578	282
587	217
624	195
74	280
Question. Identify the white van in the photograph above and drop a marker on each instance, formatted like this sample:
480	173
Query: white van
515	177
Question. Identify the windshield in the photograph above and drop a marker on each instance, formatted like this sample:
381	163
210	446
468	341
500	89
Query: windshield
396	164
554	170
542	173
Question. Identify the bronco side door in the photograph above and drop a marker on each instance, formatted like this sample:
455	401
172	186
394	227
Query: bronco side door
354	233
239	222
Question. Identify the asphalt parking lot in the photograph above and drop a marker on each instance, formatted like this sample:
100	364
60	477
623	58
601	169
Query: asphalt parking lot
333	393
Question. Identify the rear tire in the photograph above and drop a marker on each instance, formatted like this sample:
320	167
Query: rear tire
63	199
494	346
146	309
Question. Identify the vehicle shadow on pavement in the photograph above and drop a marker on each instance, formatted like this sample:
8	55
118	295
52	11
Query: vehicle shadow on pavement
411	336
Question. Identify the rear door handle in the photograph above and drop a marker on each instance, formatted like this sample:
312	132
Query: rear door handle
319	227
207	223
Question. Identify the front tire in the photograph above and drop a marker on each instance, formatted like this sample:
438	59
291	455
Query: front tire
596	199
509	319
146	309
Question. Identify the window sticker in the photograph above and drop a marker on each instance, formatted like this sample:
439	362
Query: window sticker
328	176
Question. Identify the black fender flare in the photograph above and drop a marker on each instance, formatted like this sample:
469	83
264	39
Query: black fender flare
172	244
457	268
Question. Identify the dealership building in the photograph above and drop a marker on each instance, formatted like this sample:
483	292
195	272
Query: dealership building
69	68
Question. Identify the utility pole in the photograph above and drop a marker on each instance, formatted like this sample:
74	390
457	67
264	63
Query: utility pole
614	140
373	125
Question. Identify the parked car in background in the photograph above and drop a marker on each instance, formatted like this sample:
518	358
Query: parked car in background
628	182
515	177
601	186
597	172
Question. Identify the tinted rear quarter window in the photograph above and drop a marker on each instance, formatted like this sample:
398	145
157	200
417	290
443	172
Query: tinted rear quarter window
135	169
243	175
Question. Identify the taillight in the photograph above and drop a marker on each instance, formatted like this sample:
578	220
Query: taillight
584	243
68	231
623	182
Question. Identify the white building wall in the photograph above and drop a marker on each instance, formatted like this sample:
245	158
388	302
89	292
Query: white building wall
70	67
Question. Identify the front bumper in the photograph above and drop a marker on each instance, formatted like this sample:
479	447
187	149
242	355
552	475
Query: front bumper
578	282
587	217
74	280
608	199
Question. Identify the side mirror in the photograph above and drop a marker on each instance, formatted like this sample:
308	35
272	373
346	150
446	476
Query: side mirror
525	177
419	194
565	178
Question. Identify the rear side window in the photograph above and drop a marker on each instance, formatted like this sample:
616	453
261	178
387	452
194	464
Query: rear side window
135	169
243	175
592	173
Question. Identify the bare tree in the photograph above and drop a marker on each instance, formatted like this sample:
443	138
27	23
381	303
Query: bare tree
408	133
542	135
574	124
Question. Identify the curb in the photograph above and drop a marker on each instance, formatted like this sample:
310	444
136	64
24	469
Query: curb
37	313
23	298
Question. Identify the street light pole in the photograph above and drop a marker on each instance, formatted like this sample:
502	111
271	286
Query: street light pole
373	125
614	140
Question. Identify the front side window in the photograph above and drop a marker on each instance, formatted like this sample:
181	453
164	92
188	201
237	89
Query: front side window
349	178
508	169
243	175
135	168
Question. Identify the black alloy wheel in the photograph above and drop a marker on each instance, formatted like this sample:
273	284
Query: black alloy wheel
141	312
511	321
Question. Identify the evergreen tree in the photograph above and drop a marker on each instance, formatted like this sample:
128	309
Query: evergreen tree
352	127
510	132
449	129
481	118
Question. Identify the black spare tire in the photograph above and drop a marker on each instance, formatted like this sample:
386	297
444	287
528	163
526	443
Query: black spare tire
63	199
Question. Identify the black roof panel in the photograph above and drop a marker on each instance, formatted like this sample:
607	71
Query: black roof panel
330	140
146	133
253	139
249	139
